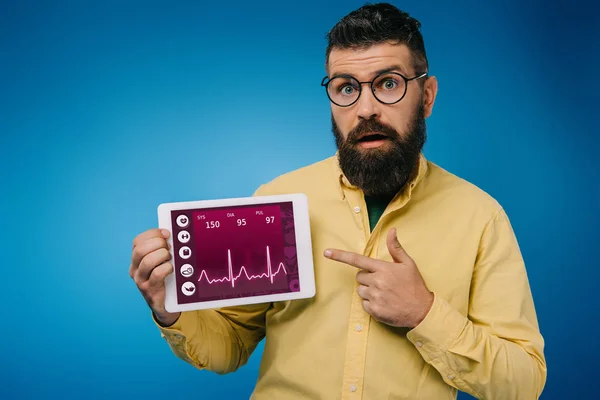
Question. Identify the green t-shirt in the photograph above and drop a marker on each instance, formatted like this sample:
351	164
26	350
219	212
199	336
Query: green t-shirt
375	207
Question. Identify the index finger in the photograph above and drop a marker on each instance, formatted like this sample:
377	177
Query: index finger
352	259
149	234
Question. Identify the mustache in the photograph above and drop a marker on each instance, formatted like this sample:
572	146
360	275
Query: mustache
367	126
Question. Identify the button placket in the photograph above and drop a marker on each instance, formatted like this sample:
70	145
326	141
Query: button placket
356	348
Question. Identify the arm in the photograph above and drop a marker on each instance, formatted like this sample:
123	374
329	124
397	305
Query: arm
217	340
497	351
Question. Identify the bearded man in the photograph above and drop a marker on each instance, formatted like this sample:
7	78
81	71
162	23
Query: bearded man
421	288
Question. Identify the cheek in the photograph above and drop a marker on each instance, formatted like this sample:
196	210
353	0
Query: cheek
399	118
343	120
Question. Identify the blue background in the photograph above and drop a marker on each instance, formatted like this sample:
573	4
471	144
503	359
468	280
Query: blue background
108	108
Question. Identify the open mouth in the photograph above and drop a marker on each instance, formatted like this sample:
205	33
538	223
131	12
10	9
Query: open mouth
372	138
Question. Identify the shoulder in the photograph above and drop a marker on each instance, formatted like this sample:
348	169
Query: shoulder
319	175
444	187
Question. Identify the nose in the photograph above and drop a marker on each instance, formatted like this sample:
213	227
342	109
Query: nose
368	106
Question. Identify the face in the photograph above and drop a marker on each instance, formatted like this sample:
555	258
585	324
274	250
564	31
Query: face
379	144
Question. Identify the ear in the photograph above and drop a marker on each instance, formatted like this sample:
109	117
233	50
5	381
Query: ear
429	93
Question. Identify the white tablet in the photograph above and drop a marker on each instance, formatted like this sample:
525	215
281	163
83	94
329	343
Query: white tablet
238	251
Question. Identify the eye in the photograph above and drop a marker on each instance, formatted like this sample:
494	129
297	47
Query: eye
347	90
389	84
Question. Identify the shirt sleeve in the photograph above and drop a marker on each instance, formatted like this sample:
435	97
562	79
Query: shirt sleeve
496	352
220	340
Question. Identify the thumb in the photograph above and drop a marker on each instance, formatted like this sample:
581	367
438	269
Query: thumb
395	248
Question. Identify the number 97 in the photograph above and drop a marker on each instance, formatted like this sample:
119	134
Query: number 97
270	220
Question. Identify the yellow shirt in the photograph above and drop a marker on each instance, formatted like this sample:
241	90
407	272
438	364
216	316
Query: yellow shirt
481	335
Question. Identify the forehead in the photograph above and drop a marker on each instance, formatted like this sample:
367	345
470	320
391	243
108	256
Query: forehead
364	62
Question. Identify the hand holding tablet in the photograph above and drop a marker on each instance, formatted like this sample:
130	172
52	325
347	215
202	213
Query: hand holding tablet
237	251
150	265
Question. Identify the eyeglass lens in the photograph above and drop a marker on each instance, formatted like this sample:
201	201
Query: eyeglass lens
388	88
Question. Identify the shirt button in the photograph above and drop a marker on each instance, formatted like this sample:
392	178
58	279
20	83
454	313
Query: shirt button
450	376
358	327
353	388
357	209
419	343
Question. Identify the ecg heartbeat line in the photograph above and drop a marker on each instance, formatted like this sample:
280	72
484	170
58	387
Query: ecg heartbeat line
231	279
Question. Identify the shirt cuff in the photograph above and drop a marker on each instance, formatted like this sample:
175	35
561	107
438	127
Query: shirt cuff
438	331
185	323
175	334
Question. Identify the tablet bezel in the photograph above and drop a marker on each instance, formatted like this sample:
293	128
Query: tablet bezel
303	250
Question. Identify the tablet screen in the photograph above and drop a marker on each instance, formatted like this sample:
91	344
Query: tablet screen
235	251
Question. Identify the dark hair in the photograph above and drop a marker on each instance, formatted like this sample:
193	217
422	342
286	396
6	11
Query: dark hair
378	23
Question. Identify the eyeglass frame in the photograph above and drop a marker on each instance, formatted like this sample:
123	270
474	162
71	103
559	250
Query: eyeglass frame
360	85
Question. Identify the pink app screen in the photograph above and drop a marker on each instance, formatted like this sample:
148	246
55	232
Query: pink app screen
237	251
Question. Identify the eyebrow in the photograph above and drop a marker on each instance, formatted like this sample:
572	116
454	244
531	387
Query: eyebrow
378	72
390	69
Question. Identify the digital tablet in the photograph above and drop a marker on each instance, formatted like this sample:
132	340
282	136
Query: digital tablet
238	251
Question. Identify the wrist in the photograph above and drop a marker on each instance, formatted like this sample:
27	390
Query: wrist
166	319
427	304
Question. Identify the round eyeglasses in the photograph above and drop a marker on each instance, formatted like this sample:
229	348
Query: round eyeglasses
387	87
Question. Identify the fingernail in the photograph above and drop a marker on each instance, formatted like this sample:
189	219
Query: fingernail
327	253
165	233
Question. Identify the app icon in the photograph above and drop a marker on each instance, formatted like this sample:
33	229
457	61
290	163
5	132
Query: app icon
185	252
183	236
183	221
188	288
186	270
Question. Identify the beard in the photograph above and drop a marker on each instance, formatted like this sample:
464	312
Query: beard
382	171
